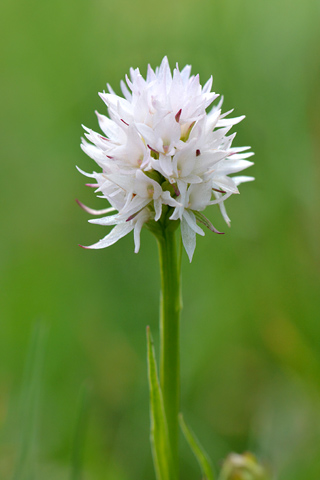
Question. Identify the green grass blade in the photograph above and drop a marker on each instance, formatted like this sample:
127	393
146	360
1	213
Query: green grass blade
29	406
80	434
197	449
159	430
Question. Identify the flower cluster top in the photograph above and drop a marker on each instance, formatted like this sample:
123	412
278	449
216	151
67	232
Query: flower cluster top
162	155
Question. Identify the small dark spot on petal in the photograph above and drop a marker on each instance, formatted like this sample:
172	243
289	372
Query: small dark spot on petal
176	189
152	149
178	115
220	191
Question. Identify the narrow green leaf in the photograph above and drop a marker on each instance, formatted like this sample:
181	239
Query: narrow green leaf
159	430
197	449
28	413
80	434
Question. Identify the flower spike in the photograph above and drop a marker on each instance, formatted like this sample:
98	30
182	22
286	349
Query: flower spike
163	158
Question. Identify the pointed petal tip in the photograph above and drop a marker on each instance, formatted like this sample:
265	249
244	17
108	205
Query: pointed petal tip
92	211
82	246
83	206
214	230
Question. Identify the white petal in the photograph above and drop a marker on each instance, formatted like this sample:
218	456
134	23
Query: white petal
110	220
144	186
200	195
220	199
188	238
164	73
191	220
241	156
168	200
90	175
230	121
125	91
223	182
134	206
157	208
176	214
242	179
224	213
111	129
116	233
222	208
232	166
141	218
93	152
207	87
93	211
185	73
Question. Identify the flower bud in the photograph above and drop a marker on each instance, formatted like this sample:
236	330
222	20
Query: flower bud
242	467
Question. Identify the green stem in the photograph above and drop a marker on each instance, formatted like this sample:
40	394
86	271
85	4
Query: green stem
170	308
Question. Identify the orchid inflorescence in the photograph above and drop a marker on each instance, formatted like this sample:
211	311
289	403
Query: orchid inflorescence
163	157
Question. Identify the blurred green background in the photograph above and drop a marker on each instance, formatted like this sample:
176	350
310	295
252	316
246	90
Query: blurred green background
251	322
